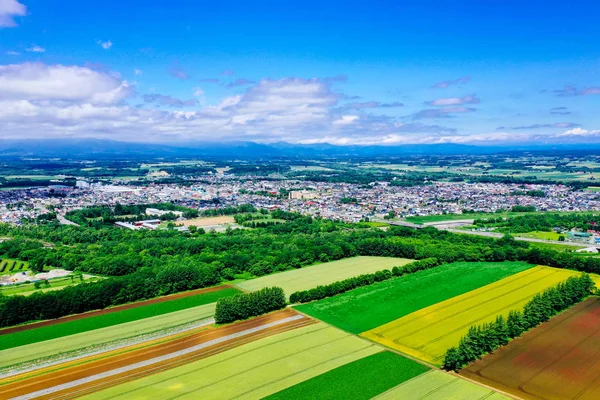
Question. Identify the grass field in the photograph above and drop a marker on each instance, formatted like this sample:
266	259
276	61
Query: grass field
454	217
555	246
369	307
102	321
556	360
210	221
6	266
65	344
26	289
428	333
541	235
323	274
437	385
361	379
251	371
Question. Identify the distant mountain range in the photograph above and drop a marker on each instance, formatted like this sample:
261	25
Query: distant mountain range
96	148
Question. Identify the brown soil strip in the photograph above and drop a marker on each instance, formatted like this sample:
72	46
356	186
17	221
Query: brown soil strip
162	299
69	374
559	359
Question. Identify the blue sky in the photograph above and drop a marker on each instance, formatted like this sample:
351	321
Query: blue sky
339	72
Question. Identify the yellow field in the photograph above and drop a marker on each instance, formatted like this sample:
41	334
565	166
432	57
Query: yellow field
428	333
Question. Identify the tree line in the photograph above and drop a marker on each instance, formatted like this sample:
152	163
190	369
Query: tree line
335	288
486	338
246	305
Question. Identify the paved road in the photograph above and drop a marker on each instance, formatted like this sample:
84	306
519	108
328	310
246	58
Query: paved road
499	235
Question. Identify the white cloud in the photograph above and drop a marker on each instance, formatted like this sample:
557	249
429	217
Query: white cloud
9	9
35	49
346	120
580	132
13	53
105	45
138	72
198	92
454	101
41	82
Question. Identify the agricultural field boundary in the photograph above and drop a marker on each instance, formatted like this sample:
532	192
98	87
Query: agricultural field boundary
558	358
255	370
35	325
63	346
323	274
438	385
102	348
117	369
428	333
372	306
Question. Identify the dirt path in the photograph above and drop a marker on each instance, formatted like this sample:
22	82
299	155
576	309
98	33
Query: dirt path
61	320
75	381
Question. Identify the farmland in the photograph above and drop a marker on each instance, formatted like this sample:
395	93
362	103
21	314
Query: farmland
98	372
9	266
323	274
361	379
25	289
253	370
20	336
558	359
96	337
369	307
210	221
437	385
428	333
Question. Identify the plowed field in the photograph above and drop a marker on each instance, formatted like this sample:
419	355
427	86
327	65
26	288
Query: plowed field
559	359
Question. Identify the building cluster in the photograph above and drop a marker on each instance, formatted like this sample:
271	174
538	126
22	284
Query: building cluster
327	200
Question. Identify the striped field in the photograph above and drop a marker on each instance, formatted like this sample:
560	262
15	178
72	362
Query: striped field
437	385
428	333
251	371
323	274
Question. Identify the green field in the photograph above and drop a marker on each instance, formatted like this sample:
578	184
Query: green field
26	289
7	263
102	321
361	379
555	246
371	306
322	274
251	371
429	332
66	344
455	217
541	235
437	385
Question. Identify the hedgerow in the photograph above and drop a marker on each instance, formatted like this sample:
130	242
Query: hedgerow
243	306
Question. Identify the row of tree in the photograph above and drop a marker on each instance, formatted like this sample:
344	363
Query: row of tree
484	339
246	305
104	293
543	222
335	288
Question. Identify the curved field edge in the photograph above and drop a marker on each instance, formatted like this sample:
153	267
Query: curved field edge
368	307
254	370
438	385
63	346
91	323
323	274
358	380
